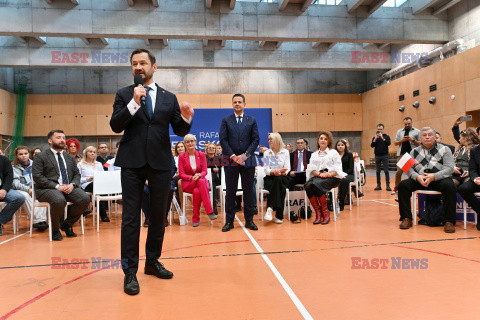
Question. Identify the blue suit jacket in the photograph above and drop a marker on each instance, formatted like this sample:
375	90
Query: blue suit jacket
237	142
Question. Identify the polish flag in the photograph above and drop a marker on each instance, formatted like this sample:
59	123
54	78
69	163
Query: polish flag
406	162
106	165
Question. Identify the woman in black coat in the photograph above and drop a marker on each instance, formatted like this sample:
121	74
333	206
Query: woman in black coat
348	167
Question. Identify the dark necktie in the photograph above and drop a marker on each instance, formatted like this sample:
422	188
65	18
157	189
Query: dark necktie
63	170
239	123
148	103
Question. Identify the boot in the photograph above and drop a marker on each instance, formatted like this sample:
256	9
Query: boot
341	204
316	207
325	213
103	215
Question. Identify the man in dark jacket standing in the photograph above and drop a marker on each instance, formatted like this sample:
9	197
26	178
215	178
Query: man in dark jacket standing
380	142
13	198
144	114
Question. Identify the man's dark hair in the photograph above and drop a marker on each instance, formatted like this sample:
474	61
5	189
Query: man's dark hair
381	124
50	134
302	139
306	142
141	50
407	118
239	95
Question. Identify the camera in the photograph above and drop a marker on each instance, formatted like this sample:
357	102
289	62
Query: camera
378	132
323	171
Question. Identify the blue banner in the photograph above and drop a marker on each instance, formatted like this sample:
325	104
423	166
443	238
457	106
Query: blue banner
206	125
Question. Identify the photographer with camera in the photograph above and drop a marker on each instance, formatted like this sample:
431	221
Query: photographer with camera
407	139
380	142
432	171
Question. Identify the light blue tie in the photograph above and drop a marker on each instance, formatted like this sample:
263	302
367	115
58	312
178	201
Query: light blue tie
300	160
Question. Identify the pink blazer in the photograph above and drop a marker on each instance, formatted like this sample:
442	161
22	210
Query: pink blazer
185	169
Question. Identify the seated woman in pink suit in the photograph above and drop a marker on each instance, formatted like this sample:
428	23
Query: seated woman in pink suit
192	168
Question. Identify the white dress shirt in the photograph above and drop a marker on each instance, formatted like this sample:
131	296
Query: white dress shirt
133	107
64	163
274	162
328	159
237	117
87	171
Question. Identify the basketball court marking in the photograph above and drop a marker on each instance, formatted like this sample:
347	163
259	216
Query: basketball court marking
277	274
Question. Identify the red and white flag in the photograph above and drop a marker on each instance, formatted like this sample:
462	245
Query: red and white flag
406	162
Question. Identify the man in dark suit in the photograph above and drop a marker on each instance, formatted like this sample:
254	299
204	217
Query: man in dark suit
468	188
57	181
144	154
299	159
239	139
103	155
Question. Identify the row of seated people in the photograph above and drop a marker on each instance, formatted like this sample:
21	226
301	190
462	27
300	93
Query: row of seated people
56	184
277	164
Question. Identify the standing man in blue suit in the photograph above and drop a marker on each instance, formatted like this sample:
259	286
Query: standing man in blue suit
239	139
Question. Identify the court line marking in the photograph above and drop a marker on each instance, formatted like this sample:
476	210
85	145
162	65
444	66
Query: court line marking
393	205
277	274
14	237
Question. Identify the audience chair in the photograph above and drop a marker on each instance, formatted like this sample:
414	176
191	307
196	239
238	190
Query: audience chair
107	186
40	205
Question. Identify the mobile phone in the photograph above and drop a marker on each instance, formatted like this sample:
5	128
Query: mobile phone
466	118
378	132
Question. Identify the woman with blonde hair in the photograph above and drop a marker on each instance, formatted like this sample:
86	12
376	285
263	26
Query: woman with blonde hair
22	182
276	163
325	172
87	166
192	166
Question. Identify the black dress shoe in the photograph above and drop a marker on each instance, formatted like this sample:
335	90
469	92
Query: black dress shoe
68	231
227	227
157	269
104	217
57	236
130	284
478	227
250	225
41	226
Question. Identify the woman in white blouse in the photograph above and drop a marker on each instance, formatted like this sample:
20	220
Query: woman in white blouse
276	165
87	166
324	173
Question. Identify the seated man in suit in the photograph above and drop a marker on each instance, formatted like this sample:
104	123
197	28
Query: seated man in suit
299	159
57	180
468	188
433	171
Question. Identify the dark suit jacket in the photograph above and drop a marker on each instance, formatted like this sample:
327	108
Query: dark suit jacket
46	173
146	141
474	167
294	155
236	143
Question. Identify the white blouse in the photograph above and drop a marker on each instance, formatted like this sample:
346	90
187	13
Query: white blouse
86	171
274	162
328	159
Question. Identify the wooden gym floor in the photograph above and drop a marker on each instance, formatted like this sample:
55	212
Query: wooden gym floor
306	271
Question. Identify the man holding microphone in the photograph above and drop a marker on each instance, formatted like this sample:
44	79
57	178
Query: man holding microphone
144	112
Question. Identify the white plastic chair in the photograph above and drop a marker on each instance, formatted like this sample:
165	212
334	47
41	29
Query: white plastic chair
107	186
40	205
262	191
465	204
356	183
414	200
210	192
223	191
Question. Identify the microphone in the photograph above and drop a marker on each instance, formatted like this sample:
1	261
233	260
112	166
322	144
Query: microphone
138	80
